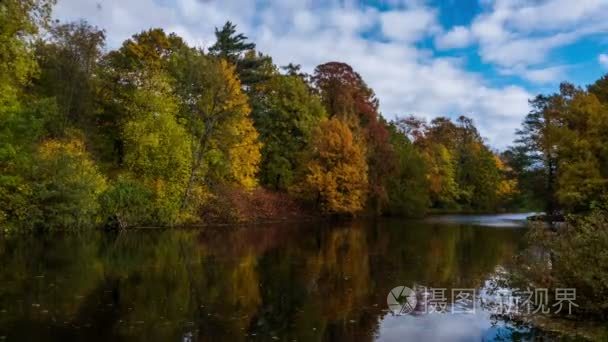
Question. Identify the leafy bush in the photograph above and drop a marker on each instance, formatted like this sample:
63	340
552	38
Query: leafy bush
21	129
66	186
233	204
127	202
574	256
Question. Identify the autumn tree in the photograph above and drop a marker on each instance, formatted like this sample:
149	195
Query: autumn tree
583	153
336	171
478	175
463	172
196	104
155	130
509	190
347	97
225	146
444	190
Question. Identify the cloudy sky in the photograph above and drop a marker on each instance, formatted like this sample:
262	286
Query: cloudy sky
481	58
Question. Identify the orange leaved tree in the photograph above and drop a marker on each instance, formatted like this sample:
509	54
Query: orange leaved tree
336	170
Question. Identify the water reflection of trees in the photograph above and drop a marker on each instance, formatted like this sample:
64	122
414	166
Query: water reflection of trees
307	283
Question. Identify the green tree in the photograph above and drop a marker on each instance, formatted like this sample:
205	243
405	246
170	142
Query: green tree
487	181
23	119
408	188
230	45
156	147
538	137
121	73
153	147
600	89
529	178
68	60
20	133
20	20
251	67
296	70
284	112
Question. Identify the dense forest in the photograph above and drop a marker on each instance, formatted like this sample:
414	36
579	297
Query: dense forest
158	132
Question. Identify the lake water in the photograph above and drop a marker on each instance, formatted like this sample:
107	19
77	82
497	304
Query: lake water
290	282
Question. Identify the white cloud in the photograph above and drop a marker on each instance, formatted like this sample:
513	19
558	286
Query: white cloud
306	21
120	19
514	33
523	52
558	14
457	37
603	59
537	75
408	25
407	79
351	20
546	75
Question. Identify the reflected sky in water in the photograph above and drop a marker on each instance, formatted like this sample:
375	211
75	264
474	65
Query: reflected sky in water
517	220
477	326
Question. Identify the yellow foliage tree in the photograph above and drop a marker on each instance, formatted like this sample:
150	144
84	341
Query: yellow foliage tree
507	187
225	143
337	169
245	156
441	175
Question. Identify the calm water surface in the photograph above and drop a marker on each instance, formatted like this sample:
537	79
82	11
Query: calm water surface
306	282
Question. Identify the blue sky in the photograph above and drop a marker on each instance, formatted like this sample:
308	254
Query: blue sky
480	58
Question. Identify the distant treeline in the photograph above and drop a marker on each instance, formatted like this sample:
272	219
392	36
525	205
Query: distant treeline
159	132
